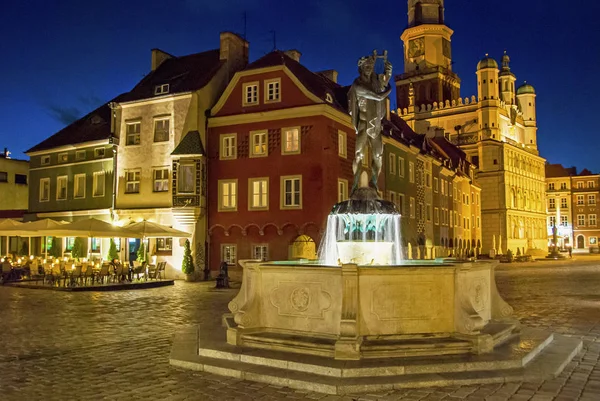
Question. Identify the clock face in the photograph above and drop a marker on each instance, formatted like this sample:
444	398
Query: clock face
416	47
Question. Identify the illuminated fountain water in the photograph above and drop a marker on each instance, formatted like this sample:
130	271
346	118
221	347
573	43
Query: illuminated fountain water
362	231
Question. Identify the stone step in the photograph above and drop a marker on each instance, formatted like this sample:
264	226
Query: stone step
335	377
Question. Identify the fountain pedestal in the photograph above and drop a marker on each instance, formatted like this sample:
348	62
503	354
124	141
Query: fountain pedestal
360	312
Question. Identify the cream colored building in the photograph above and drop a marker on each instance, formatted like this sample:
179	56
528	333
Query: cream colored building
559	204
14	193
496	129
161	162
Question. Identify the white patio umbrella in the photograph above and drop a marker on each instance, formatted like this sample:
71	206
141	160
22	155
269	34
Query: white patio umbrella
92	228
149	229
6	229
38	228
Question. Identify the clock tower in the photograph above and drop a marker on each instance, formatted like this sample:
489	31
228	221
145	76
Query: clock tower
427	57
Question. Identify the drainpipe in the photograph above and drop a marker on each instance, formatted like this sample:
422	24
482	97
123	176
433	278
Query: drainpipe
113	140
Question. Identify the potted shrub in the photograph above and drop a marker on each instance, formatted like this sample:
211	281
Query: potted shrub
187	265
78	251
113	252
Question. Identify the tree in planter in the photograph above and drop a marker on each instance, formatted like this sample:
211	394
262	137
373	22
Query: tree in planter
55	248
78	251
113	252
187	265
24	249
141	253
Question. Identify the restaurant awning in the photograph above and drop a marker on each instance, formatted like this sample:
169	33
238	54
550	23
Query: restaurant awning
92	228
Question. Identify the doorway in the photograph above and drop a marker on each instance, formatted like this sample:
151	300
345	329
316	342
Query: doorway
133	246
580	242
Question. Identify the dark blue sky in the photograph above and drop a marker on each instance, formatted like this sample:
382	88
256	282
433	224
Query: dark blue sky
62	59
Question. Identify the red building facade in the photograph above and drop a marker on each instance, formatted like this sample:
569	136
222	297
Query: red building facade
280	146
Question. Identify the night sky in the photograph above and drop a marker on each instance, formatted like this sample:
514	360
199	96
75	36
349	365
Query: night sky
61	59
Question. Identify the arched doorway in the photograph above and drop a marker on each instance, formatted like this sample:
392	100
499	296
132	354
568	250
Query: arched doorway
580	242
303	247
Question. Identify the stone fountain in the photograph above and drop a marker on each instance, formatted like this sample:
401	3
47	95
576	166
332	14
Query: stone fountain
361	318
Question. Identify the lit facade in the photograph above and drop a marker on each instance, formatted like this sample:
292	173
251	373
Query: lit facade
14	192
496	129
559	204
585	191
280	151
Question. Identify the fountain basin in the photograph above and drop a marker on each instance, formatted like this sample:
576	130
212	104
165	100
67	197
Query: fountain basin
354	312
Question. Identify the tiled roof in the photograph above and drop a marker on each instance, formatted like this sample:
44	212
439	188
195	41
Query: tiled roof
585	172
191	144
183	74
557	170
317	84
93	127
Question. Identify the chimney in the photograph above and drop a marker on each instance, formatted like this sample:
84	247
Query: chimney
329	74
293	54
233	49
158	57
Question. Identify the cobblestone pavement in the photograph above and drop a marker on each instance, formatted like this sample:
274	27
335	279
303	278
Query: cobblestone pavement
115	346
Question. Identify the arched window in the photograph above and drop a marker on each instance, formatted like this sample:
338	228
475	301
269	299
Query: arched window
505	85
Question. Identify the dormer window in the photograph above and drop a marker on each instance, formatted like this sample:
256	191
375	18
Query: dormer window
328	98
161	89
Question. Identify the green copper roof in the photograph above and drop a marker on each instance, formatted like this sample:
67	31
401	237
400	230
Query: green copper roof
525	88
487	62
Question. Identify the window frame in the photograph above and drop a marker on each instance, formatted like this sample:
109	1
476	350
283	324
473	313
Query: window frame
43	181
595	221
64	178
284	140
392	164
266	99
580	200
134	134
78	154
162	179
228	260
282	181
161	89
580	219
183	164
342	191
17	181
400	166
223	155
253	143
221	207
591	199
264	246
411	172
165	249
44	160
76	185
411	207
168	132
342	144
63	155
95	185
251	193
99	153
138	181
245	87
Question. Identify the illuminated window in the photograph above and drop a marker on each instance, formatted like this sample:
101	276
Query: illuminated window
564	221
590	184
161	130
186	179
132	182
342	145
164	245
342	190
563	185
551	186
591	199
229	253
95	245
551	204
228	146
580	200
581	219
552	221
98	185
79	186
250	93
272	90
132	131
593	240
260	252
161	89
563	203
258	143
61	187
579	185
258	193
161	180
591	219
290	143
291	192
44	189
227	195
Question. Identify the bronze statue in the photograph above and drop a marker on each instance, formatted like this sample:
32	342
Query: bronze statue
367	106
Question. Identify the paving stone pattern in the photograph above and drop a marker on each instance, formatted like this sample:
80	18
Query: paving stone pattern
115	346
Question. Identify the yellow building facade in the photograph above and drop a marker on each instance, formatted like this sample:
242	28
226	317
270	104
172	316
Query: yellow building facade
496	129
